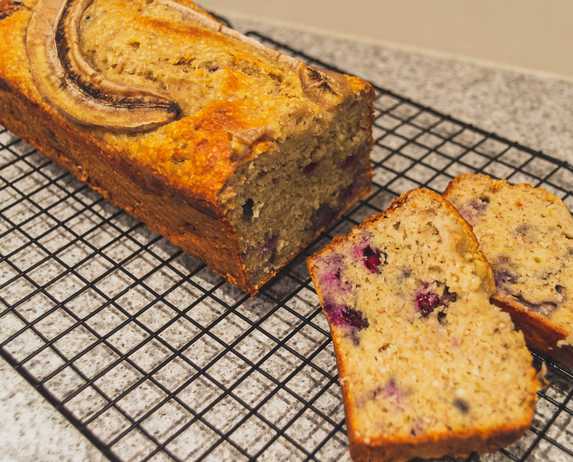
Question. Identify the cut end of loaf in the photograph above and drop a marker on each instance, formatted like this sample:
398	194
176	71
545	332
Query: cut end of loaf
429	367
280	202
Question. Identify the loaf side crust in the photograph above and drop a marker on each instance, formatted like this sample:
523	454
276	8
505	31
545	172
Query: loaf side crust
437	444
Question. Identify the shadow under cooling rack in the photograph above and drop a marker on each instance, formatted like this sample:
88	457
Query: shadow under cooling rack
153	357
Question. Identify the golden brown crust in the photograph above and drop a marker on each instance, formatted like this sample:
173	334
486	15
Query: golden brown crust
425	446
435	446
498	184
8	7
540	332
206	132
170	178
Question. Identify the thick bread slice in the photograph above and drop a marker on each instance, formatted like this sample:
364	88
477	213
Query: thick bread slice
428	366
526	233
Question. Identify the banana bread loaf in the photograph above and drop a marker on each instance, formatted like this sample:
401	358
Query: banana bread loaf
527	235
234	152
428	366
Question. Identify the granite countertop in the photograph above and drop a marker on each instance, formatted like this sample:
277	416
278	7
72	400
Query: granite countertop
531	109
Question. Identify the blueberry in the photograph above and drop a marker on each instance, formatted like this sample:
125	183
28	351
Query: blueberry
350	161
503	276
449	297
342	315
426	302
390	390
372	259
310	168
480	204
248	210
270	246
355	318
428	298
462	405
348	192
323	216
474	209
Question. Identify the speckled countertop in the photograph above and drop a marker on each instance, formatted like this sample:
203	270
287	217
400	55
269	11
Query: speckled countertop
533	110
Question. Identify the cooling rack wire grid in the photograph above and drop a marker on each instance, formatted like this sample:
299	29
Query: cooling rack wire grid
153	357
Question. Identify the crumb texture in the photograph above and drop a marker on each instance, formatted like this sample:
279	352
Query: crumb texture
422	353
527	235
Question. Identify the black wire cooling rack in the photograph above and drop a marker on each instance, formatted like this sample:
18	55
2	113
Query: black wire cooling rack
153	357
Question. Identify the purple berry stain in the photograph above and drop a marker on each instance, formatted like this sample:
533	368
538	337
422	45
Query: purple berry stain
344	316
427	302
448	297
349	192
480	204
474	209
503	276
432	296
323	216
270	247
331	275
310	168
350	161
391	389
371	257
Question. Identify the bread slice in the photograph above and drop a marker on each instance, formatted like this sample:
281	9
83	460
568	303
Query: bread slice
527	235
428	366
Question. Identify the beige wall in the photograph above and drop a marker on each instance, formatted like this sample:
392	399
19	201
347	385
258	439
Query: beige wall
533	34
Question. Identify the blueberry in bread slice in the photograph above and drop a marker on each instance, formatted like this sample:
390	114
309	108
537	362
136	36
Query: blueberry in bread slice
428	365
526	233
